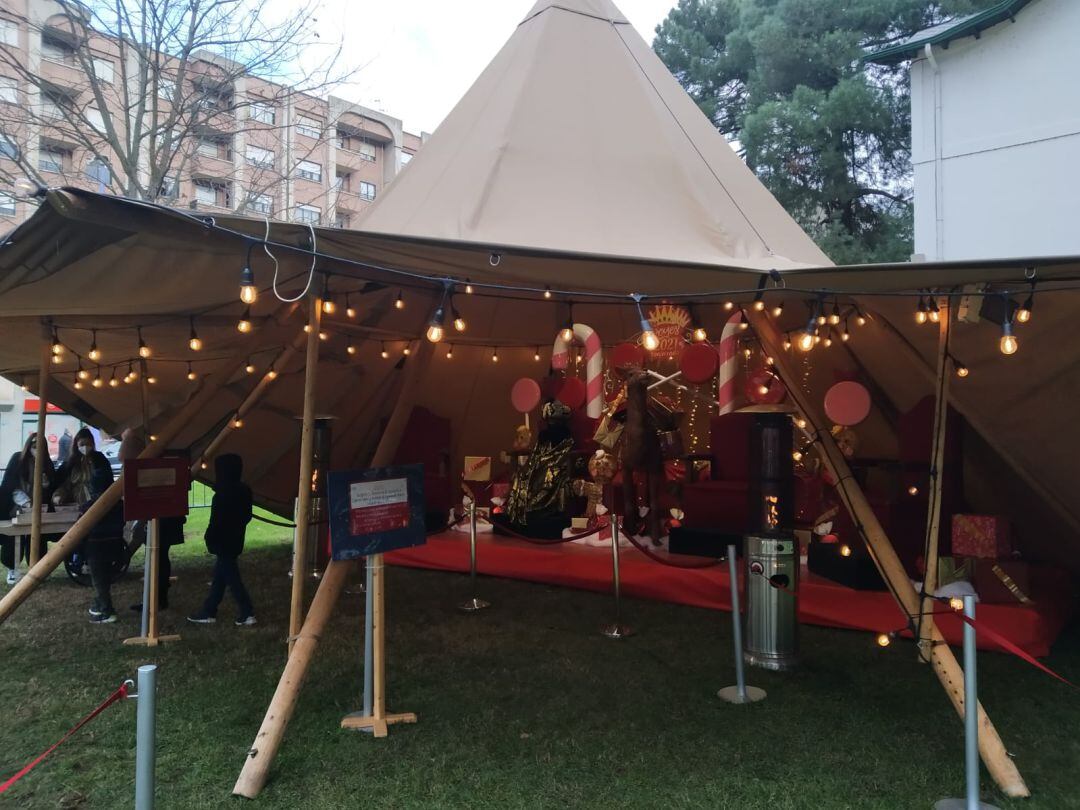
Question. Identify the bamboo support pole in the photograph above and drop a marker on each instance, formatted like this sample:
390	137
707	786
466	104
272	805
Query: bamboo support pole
144	402
994	755
937	464
249	403
62	549
42	447
307	460
256	770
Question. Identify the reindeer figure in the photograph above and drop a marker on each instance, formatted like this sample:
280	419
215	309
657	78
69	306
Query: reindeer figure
641	452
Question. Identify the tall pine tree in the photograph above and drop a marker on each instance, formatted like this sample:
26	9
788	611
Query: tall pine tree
829	135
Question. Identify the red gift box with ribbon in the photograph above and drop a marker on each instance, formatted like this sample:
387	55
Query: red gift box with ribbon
984	536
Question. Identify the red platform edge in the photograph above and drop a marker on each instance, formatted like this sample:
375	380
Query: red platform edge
821	602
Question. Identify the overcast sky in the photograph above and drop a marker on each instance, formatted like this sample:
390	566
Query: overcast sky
420	56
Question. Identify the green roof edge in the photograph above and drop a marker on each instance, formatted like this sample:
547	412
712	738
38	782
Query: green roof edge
976	23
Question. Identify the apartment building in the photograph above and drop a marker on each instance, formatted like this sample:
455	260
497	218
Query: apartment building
240	143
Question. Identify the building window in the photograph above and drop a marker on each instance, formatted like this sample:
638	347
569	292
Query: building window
95	119
51	106
208	192
311	127
367	150
53	159
9	90
167	187
405	158
367	190
257	156
216	149
309	171
308	214
9	32
342	181
341	220
56	50
262	112
261	204
8	148
166	88
7	204
103	69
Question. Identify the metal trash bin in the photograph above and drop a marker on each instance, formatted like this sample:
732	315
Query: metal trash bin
772	614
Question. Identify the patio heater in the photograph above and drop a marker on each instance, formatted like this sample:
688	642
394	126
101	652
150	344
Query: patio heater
772	556
318	526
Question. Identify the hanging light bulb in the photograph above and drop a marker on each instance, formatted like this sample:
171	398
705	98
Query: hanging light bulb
822	319
450	351
144	350
787	343
827	341
884	640
1008	343
151	379
435	328
194	343
800	423
913	490
845	550
399	302
78	384
248	291
56	359
961	370
82	373
806	341
547	292
113	382
1023	315
796	455
98	382
468	287
350	312
407	350
324	335
729	305
956	603
700	335
649	340
249	367
933	313
237	422
271	373
759	300
459	322
131	376
834	316
191	375
95	353
778	309
536	354
860	319
243	326
350	348
328	305
495	355
921	315
846	336
57	347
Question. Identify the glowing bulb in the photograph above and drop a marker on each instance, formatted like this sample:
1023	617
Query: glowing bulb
747	352
763	390
94	353
800	423
384	353
778	310
962	370
248	294
350	312
399	302
435	333
57	346
57	359
787	344
238	423
324	335
845	550
203	465
494	355
536	356
759	306
459	323
250	367
934	314
650	341
194	343
834	317
846	336
407	351
796	455
350	349
827	342
144	350
921	316
883	640
744	325
547	292
860	319
307	328
243	326
450	352
191	375
1023	315
83	374
328	306
1008	343
271	374
98	382
700	335
151	380
806	341
822	320
913	490
729	305
468	287
78	385
113	382
567	334
956	603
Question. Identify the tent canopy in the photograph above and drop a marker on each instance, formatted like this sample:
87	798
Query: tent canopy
575	163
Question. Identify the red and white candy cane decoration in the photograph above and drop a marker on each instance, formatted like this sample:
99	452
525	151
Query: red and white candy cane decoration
594	365
728	349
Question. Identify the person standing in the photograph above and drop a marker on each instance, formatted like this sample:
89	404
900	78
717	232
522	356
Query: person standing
63	446
16	494
230	513
86	475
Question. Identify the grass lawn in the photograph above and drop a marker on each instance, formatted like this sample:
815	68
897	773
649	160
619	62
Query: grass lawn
524	705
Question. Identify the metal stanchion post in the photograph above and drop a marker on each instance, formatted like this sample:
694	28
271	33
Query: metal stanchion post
971	723
148	550
740	692
617	629
369	641
16	573
145	738
475	603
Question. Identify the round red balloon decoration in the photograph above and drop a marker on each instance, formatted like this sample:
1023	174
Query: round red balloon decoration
847	403
760	379
570	391
525	395
626	355
699	362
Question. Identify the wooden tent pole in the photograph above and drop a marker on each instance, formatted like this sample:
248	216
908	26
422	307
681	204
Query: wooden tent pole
63	548
256	768
994	755
144	402
937	466
307	460
42	453
987	436
249	403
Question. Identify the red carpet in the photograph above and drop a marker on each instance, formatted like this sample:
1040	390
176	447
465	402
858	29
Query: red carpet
1032	628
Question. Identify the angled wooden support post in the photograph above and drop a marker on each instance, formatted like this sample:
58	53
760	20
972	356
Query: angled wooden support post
260	757
307	460
75	535
997	760
42	452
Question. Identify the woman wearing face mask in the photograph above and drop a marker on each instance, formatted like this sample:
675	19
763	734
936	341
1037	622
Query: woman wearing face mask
16	494
86	475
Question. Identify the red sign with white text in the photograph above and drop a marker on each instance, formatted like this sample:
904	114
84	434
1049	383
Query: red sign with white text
155	488
378	506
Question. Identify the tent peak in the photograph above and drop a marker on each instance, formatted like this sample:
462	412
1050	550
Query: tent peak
600	9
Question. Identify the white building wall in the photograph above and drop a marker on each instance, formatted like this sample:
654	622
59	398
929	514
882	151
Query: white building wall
1009	137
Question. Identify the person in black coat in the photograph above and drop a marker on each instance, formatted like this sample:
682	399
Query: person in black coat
16	493
86	475
230	513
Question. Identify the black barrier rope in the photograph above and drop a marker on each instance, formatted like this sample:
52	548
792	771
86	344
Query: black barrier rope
280	523
542	542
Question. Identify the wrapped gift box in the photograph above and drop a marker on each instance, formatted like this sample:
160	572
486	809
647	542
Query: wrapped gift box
985	536
1011	586
477	468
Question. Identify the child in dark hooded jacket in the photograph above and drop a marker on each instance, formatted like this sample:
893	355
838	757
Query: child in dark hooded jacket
230	513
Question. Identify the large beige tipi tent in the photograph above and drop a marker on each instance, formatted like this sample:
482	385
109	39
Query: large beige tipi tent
576	165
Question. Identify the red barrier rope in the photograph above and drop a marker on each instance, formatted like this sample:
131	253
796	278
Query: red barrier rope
539	542
652	555
118	695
